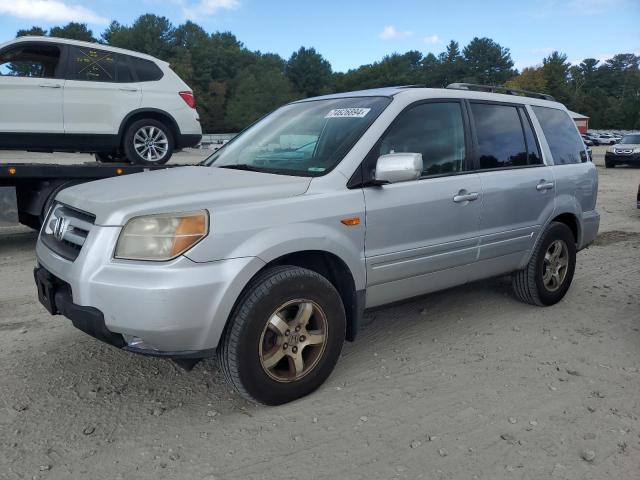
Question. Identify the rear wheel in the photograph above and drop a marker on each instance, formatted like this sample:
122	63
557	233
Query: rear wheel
148	142
547	277
284	337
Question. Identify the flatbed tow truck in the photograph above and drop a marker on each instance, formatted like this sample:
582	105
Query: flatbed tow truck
28	189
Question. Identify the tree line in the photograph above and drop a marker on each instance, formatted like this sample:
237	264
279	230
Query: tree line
234	86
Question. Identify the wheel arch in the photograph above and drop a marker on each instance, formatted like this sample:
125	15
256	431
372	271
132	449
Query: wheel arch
153	113
335	270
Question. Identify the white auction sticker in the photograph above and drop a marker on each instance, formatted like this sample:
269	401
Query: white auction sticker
347	113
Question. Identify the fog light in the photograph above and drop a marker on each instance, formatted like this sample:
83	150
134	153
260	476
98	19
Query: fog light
137	343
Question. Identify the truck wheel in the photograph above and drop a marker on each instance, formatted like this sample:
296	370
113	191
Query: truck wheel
148	142
547	277
284	336
110	157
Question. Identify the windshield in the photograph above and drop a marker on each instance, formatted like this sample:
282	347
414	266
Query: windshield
631	139
307	138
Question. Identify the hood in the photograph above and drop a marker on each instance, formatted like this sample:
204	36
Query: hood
115	200
623	146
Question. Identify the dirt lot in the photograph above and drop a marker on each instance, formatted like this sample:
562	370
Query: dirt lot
462	384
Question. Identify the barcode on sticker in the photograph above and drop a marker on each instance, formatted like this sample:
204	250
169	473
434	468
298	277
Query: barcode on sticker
347	113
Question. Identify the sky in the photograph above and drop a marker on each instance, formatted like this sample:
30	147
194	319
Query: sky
350	33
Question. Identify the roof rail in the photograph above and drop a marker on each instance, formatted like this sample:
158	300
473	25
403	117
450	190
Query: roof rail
500	89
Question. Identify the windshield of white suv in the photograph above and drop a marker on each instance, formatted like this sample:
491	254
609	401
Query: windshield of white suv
631	139
304	139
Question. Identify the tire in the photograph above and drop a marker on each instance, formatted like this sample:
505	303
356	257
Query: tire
109	157
529	284
242	355
609	164
159	136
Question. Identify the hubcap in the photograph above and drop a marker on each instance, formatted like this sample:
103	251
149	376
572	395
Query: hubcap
151	143
556	262
293	340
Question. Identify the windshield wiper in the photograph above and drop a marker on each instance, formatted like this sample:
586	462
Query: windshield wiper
243	166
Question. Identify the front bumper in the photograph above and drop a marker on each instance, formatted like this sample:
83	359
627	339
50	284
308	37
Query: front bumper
617	158
175	307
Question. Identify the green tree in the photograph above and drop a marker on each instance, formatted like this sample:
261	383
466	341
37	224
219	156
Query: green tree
309	72
73	31
487	62
555	69
33	31
452	67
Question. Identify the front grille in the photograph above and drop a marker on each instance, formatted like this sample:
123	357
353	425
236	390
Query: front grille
66	230
623	151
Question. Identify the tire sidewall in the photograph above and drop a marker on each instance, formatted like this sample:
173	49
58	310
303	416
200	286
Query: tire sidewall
556	231
128	144
252	375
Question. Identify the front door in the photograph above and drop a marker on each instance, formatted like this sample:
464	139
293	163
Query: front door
30	93
420	234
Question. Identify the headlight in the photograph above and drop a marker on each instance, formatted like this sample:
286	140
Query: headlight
161	237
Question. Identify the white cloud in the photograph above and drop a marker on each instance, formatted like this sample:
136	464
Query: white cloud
193	11
390	33
50	11
431	39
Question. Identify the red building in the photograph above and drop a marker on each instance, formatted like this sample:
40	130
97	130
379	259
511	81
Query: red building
582	121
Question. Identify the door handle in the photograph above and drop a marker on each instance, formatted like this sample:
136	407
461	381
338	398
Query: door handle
128	89
464	196
53	85
544	185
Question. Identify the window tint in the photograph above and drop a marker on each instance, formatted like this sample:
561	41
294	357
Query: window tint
534	156
500	137
92	65
562	136
433	129
38	61
146	70
124	74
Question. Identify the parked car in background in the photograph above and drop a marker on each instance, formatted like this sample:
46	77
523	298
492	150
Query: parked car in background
626	151
66	95
268	253
605	138
587	141
591	137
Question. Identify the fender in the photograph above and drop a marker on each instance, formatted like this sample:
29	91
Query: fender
157	111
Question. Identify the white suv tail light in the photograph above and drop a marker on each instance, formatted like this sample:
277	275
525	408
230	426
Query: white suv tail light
188	98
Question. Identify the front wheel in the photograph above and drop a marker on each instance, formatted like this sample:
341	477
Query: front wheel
148	142
609	164
284	337
547	277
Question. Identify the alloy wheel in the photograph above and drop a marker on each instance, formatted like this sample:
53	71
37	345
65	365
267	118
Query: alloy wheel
293	340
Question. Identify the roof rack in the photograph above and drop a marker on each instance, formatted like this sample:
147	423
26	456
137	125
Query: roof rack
500	89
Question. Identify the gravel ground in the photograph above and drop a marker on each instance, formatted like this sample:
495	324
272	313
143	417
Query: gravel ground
462	384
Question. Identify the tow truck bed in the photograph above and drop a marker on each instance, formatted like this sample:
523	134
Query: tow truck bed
27	189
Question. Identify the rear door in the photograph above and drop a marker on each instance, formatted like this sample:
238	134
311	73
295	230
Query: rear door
31	89
518	188
99	92
422	233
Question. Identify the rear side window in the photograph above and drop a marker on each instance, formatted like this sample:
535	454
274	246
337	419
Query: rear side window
535	158
91	64
40	61
501	141
145	70
562	136
123	70
433	129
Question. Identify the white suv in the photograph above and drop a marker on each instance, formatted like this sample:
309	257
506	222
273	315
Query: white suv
66	95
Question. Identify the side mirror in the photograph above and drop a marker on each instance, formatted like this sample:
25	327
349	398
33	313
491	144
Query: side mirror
398	167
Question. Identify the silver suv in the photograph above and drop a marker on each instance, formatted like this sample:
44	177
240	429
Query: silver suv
268	253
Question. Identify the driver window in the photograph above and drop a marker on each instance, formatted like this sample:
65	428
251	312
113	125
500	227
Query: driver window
433	129
38	61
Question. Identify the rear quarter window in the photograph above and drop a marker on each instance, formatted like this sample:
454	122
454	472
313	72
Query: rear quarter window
145	70
562	136
91	64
